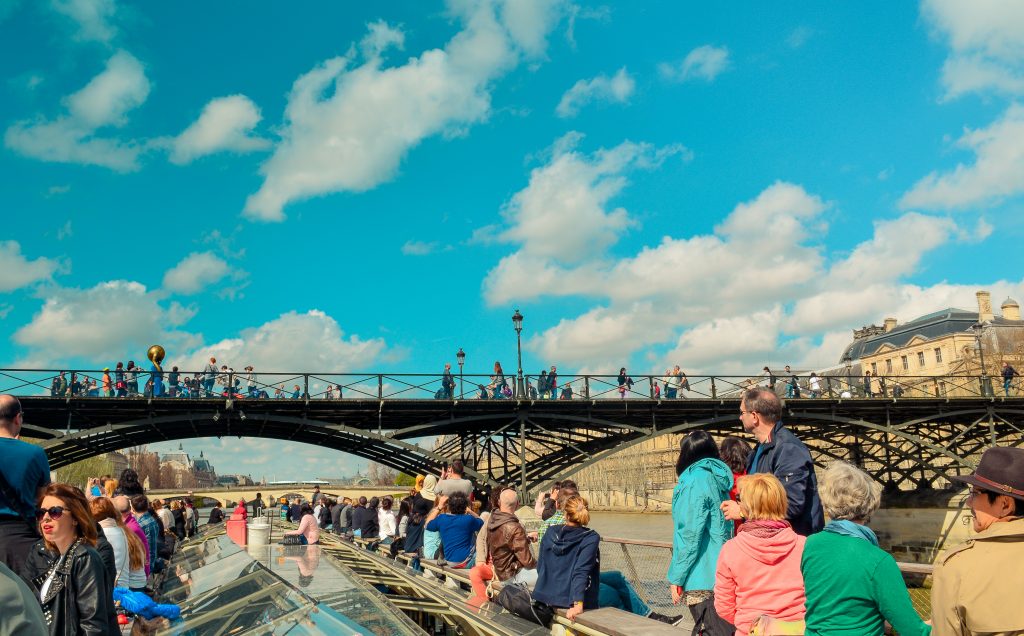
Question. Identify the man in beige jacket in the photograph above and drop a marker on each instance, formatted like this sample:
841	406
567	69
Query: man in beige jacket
978	585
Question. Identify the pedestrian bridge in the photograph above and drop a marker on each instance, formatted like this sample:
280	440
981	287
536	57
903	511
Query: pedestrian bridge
932	429
271	492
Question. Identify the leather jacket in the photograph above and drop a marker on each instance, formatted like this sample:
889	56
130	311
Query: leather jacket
507	545
78	601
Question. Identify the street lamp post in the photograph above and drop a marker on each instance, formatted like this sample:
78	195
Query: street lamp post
461	357
517	324
849	373
978	329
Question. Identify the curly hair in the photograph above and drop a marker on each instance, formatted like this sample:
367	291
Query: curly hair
77	506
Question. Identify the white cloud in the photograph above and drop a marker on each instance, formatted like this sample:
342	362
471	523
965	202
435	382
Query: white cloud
16	271
562	214
310	342
380	37
617	88
418	248
104	101
195	272
894	251
986	39
704	62
93	18
348	127
224	125
111	321
997	172
799	36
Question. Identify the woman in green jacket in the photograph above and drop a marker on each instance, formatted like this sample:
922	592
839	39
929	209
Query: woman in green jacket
852	585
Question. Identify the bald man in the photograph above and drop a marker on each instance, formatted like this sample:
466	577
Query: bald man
508	544
124	506
24	473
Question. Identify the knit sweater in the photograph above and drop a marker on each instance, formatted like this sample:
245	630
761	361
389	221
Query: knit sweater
853	587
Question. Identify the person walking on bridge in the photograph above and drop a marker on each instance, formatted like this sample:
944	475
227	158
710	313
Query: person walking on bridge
782	454
209	377
1008	374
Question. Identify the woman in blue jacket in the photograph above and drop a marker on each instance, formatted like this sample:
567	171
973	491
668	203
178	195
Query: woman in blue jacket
700	530
573	551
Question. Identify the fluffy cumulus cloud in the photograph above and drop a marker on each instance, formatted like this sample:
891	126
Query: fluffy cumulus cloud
701	299
986	39
17	271
195	272
702	63
617	88
997	171
226	124
102	103
349	125
93	18
107	322
310	341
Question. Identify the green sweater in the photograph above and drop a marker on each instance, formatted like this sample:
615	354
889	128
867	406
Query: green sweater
852	587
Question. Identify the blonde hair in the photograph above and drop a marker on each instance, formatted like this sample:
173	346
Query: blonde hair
110	486
576	510
763	497
176	504
103	508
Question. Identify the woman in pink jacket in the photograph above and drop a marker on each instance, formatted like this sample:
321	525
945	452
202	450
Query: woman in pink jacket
759	569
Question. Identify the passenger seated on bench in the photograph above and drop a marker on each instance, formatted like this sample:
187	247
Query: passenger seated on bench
569	570
457	527
508	554
309	529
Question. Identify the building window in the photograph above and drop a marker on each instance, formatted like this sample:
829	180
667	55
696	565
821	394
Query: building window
920	358
888	365
874	369
938	354
906	365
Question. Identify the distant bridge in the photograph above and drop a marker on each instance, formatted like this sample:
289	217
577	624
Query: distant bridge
935	429
271	492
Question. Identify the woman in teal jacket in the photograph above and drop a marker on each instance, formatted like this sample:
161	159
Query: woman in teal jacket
700	530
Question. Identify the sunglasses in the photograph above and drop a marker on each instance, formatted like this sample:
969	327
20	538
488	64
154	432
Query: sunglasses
55	512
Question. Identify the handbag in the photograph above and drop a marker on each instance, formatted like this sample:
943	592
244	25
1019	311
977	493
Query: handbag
516	599
291	539
767	626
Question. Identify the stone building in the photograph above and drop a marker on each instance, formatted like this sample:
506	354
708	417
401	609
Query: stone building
941	353
200	468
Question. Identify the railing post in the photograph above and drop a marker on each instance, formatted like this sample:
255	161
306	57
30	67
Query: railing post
650	381
828	383
305	386
714	389
380	387
586	387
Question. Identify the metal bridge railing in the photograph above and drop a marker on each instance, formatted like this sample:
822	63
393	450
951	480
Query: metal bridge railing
645	565
424	386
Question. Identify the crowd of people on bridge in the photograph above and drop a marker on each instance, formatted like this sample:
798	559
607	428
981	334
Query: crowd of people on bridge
759	545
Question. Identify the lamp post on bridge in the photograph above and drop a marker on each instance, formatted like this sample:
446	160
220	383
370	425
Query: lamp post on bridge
517	324
461	357
979	329
849	373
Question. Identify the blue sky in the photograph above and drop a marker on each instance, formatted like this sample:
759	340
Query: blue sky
370	187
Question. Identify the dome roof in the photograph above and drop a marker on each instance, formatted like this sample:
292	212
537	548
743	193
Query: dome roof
1009	302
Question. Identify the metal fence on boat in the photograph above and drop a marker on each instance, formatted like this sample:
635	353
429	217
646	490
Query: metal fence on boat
645	564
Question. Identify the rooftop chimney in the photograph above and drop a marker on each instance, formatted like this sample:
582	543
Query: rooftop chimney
984	306
890	324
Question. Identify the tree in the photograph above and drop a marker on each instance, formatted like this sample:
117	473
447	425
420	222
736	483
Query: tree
78	474
405	480
381	475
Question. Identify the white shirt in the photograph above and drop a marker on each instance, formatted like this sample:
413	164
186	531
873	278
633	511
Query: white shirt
815	383
117	540
388	523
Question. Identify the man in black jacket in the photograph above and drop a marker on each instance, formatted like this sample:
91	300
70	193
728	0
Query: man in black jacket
780	453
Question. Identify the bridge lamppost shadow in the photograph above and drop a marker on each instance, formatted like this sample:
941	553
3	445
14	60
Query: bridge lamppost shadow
517	324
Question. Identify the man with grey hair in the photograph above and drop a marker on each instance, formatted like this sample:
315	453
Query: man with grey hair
780	453
24	473
123	505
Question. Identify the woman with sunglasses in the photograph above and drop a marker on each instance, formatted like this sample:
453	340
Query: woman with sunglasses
67	571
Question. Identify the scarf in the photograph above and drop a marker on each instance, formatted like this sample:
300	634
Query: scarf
763	529
848	528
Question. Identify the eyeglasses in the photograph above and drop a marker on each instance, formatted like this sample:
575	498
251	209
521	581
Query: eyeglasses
974	492
55	512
